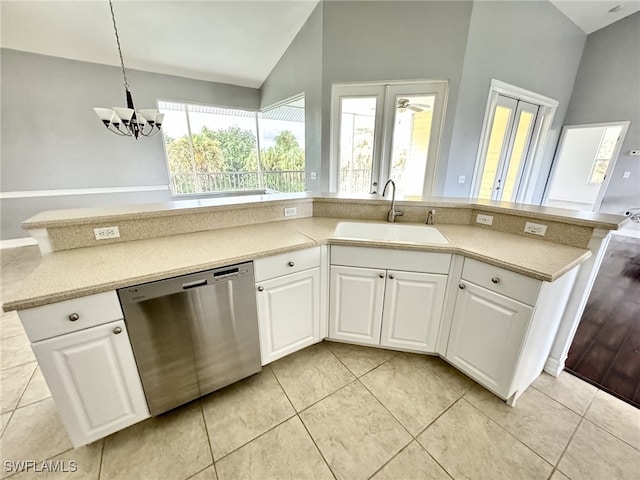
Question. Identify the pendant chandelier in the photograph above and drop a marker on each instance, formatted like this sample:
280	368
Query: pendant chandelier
128	122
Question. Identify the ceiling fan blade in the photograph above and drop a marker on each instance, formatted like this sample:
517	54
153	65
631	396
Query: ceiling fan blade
414	108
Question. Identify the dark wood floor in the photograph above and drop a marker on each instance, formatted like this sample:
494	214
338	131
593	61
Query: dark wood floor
606	348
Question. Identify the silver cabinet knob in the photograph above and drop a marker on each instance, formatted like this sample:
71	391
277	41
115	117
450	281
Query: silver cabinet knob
462	286
495	280
381	275
261	289
117	330
74	316
391	277
291	264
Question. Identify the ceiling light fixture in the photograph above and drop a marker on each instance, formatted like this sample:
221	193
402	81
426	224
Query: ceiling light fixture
126	121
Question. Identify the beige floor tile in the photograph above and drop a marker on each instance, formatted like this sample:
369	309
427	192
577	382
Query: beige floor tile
311	374
616	417
4	419
412	463
594	454
34	433
445	372
286	452
15	351
567	389
13	382
10	325
558	475
36	390
171	446
208	473
359	359
354	432
412	394
470	445
542	424
81	463
242	411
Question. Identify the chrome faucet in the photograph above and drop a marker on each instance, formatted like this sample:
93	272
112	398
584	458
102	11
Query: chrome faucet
431	216
393	213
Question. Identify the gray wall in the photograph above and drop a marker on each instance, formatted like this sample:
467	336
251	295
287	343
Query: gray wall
607	89
529	44
52	139
300	70
393	40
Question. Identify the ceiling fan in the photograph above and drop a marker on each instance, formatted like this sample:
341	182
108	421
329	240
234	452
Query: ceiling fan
404	104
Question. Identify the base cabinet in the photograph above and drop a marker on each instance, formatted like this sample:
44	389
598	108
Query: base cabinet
94	381
486	335
386	307
288	313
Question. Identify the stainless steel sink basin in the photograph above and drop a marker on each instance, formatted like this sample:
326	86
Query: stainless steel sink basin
389	232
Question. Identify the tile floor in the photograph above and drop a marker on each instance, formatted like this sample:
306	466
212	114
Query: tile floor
329	411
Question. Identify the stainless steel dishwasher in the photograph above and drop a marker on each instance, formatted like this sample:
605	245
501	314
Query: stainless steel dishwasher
193	334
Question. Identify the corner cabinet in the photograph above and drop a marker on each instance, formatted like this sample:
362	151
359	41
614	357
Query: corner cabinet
503	326
384	297
288	289
90	369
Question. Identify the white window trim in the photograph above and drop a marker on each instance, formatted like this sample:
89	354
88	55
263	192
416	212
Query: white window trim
533	163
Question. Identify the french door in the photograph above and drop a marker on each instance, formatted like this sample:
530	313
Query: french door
386	131
514	127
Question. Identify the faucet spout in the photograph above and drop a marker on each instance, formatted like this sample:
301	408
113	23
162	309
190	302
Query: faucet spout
393	213
431	217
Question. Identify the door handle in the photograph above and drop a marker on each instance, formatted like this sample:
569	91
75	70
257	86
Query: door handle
194	284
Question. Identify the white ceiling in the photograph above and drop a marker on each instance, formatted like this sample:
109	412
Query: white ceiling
237	42
592	15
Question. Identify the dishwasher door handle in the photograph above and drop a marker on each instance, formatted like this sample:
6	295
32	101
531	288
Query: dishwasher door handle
194	284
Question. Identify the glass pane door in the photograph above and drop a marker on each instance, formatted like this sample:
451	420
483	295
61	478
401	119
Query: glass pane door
410	144
356	143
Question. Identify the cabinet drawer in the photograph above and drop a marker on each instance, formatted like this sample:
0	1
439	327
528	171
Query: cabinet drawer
54	319
514	285
390	259
292	262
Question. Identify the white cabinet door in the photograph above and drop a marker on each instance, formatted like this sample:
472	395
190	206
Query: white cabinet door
413	305
94	381
356	304
288	313
487	333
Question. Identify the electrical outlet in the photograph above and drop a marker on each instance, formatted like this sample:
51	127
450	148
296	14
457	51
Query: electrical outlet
535	228
106	232
484	219
462	178
626	174
290	211
312	176
634	153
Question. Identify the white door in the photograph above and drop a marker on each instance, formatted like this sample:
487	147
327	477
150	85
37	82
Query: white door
356	304
487	331
412	310
94	381
383	131
288	313
507	148
582	168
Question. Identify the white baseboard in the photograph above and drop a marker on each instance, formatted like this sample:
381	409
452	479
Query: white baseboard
554	367
17	242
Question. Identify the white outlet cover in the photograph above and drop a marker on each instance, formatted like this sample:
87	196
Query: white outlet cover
626	174
312	175
484	219
290	211
535	228
462	178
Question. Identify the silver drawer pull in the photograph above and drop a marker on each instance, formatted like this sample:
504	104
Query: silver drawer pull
495	280
462	286
291	264
261	289
117	330
74	316
391	277
381	275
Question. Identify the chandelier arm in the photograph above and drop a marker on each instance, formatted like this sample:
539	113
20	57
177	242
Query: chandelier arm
115	130
115	29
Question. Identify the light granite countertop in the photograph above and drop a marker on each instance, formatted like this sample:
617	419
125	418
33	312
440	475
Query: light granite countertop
85	271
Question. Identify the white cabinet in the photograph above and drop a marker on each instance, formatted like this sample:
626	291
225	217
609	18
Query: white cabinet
393	308
288	289
487	332
94	381
288	313
356	304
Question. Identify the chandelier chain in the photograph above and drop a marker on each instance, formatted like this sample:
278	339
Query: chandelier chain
115	28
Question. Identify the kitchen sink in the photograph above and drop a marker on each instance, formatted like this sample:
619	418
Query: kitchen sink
389	232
